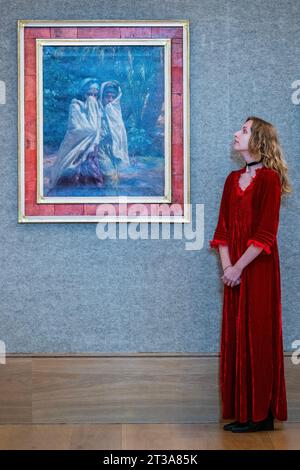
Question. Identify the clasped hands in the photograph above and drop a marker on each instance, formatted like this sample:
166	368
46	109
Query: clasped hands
232	276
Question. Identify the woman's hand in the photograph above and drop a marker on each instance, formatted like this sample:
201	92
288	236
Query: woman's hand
231	276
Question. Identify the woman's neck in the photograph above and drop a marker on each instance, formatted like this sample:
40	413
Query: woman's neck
252	169
249	159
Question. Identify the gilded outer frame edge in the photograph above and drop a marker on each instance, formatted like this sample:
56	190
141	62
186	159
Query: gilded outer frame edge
107	22
186	120
186	218
96	219
20	46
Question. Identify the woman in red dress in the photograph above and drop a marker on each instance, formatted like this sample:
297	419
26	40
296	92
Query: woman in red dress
252	364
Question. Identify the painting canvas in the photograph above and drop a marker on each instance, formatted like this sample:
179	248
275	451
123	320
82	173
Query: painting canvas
103	119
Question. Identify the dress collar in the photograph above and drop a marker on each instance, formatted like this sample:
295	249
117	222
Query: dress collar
239	190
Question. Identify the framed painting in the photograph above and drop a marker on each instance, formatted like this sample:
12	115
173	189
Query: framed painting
103	121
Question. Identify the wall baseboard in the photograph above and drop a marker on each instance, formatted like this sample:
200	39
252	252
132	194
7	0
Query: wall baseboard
119	388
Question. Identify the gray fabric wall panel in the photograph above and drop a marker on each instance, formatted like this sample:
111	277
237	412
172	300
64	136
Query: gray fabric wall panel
64	290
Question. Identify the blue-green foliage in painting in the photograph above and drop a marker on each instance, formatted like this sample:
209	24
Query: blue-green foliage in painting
139	71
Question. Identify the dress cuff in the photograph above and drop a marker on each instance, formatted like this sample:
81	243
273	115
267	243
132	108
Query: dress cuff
215	243
265	247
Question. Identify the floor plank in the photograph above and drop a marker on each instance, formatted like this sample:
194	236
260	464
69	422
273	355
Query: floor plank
96	437
287	437
35	437
191	436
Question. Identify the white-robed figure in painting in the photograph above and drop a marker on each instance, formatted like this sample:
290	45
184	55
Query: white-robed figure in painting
113	146
95	146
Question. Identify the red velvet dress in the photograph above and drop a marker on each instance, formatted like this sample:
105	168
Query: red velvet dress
252	363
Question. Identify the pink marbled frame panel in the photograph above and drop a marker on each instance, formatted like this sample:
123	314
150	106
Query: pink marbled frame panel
29	209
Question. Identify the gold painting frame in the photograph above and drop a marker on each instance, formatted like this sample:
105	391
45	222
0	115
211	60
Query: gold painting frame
23	217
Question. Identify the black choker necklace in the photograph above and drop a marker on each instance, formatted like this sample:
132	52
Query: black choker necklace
252	163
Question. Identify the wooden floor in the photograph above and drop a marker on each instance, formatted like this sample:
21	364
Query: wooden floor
142	402
145	436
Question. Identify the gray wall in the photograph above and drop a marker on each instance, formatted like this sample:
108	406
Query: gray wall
64	290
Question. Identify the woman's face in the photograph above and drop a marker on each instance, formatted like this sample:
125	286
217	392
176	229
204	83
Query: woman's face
108	97
241	137
92	91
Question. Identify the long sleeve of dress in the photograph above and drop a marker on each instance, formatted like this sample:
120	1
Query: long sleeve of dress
267	224
220	236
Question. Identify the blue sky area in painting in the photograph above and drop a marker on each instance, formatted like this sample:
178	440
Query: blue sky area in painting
140	73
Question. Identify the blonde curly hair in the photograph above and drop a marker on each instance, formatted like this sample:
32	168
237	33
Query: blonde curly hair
264	143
